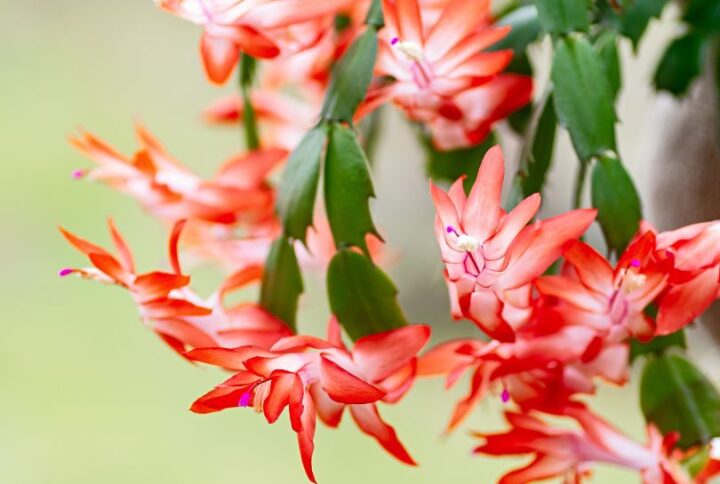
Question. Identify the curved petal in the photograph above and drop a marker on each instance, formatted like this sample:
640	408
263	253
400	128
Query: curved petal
485	310
306	435
380	355
571	291
122	248
409	21
446	210
220	56
442	358
344	387
222	357
329	411
458	19
369	421
110	266
683	303
552	237
592	268
511	226
218	399
482	210
284	388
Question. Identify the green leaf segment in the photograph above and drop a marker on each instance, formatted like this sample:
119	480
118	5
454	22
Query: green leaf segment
362	296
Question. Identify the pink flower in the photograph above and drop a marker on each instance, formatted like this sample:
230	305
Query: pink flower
569	453
492	256
309	375
262	28
440	72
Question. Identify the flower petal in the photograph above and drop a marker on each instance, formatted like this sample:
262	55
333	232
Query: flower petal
380	355
482	210
370	422
683	303
344	387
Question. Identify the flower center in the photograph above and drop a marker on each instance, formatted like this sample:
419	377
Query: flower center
410	50
413	53
467	243
631	279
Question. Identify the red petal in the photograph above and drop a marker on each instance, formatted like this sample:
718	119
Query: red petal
218	399
158	284
220	57
83	245
548	244
485	310
446	356
329	411
283	389
110	266
571	291
369	421
409	22
306	435
184	332
685	302
592	268
122	248
173	308
344	387
173	245
380	355
482	210
222	357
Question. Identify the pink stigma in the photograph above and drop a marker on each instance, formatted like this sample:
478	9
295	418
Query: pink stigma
505	396
394	41
65	272
245	399
78	174
635	263
451	230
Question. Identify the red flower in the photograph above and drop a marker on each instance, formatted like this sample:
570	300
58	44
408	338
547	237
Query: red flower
540	370
440	72
284	119
263	28
612	301
491	256
695	281
309	375
168	306
238	192
569	453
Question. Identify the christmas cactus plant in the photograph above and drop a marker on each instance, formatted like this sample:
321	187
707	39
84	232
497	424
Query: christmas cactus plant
553	316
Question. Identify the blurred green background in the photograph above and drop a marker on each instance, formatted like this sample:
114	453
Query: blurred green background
87	394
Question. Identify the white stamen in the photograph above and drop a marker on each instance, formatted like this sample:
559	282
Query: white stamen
633	281
412	51
467	243
261	393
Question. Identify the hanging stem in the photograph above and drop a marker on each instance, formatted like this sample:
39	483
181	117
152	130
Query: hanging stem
247	67
580	184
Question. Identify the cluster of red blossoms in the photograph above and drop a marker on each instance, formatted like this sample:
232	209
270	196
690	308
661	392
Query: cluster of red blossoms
551	336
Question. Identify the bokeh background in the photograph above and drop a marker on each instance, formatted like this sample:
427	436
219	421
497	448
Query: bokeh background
89	396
